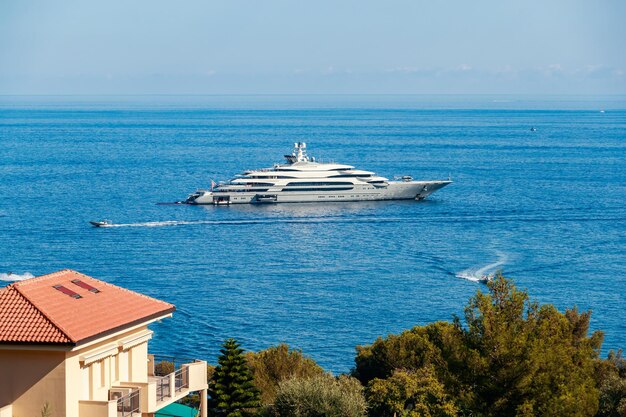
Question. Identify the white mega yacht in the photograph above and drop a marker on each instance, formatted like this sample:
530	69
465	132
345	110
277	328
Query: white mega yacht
304	180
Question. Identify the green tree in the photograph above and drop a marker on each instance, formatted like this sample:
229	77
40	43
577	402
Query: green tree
164	367
612	383
510	356
409	394
320	396
528	359
434	344
276	364
232	392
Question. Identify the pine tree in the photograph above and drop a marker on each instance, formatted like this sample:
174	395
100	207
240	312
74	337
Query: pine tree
231	389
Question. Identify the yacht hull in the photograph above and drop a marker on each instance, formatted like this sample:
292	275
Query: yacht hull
395	190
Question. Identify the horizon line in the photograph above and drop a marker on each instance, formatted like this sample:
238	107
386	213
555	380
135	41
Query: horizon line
315	94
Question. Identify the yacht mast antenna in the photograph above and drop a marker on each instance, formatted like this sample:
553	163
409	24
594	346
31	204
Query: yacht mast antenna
300	152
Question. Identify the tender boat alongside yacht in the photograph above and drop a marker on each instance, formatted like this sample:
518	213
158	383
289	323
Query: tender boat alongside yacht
304	180
101	223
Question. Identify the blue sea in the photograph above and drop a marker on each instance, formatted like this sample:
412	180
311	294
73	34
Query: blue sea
547	207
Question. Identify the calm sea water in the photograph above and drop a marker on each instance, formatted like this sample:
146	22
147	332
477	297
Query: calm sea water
547	207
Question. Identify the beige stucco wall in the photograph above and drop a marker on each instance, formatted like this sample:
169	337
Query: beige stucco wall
29	379
197	375
97	408
139	363
6	411
93	381
31	376
74	383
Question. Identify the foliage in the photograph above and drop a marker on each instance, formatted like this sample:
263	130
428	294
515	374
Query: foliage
528	359
419	347
210	370
232	392
163	368
511	357
409	394
276	364
320	396
612	383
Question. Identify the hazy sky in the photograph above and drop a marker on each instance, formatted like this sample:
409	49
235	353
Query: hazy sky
315	46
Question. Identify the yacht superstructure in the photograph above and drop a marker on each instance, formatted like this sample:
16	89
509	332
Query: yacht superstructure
304	180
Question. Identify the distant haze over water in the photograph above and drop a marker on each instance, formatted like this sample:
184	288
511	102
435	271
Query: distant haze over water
545	206
323	46
318	101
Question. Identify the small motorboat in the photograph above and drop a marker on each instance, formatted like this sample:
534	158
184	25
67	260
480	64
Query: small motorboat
101	223
533	129
484	279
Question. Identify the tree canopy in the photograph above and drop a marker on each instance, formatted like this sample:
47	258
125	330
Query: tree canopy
276	364
410	394
611	377
509	357
232	392
506	356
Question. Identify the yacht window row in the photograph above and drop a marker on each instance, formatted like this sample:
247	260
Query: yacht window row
240	190
270	177
257	184
345	188
302	184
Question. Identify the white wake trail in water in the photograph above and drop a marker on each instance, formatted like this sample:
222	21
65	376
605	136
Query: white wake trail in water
149	224
15	277
478	274
248	221
186	222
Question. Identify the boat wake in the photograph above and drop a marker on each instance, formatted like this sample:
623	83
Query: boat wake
149	224
213	222
10	276
483	273
298	220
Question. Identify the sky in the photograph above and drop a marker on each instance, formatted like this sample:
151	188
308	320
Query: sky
313	47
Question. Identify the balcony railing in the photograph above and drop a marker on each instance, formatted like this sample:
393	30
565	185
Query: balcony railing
128	405
164	383
163	388
149	396
165	364
181	379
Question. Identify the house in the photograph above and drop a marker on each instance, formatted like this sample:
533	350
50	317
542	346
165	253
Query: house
79	347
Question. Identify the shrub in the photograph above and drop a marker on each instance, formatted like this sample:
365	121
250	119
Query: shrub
320	396
276	364
164	368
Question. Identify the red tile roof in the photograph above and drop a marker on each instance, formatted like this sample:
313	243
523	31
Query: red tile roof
33	311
